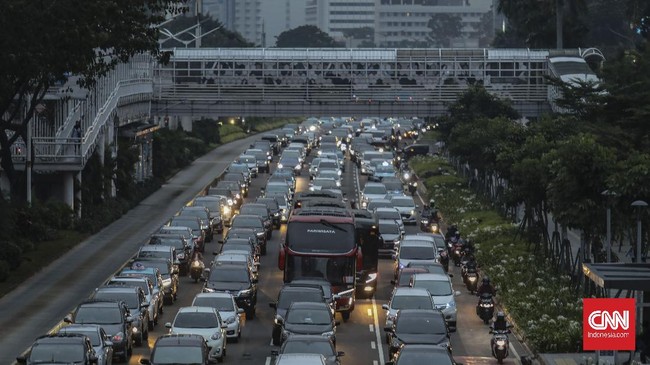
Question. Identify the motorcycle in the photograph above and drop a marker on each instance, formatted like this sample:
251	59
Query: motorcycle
413	187
471	280
444	260
196	269
456	252
500	345
485	307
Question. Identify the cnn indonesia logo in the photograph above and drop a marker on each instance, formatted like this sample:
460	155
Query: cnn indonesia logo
608	324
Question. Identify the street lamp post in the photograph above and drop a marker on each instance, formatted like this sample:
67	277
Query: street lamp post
609	195
638	206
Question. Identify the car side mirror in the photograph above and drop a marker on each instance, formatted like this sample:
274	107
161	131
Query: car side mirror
272	305
168	325
67	319
220	241
279	320
384	306
144	361
450	275
340	353
275	352
144	304
457	293
215	253
393	282
240	310
21	360
129	319
108	343
336	297
337	323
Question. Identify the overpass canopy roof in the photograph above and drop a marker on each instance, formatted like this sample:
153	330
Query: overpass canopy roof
624	276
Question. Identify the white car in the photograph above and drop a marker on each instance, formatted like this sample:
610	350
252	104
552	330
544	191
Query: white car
405	205
204	321
225	304
373	190
406	298
324	183
442	293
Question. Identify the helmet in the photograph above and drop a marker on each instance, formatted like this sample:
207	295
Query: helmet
432	202
486	281
457	234
501	316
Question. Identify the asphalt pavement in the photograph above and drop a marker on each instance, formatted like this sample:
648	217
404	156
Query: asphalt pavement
39	304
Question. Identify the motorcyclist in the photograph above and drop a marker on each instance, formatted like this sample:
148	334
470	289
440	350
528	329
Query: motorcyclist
471	265
500	324
451	231
197	256
426	211
486	288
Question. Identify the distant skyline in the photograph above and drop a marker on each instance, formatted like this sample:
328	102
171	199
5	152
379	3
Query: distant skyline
394	22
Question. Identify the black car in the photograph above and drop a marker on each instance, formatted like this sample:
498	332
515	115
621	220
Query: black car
183	248
136	300
308	318
415	150
169	275
235	279
255	222
275	141
287	296
274	208
422	354
310	344
178	349
260	210
418	326
114	317
60	348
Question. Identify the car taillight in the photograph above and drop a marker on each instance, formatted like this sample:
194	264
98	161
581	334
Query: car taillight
118	337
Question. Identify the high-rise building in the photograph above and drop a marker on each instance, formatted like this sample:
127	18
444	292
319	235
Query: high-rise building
281	15
400	23
337	16
248	20
223	10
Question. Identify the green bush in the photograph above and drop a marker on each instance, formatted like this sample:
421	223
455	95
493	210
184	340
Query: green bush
4	270
538	299
228	129
207	130
11	253
232	137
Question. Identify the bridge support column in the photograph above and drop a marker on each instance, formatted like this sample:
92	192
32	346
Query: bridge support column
77	193
68	188
186	123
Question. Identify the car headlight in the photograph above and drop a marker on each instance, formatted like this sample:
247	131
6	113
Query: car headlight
216	336
118	337
371	277
260	234
230	202
238	196
208	290
412	212
167	282
298	167
245	293
230	320
328	334
395	342
339	172
280	165
338	183
451	304
180	256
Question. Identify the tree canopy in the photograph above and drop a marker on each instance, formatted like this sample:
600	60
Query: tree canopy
444	28
43	42
306	36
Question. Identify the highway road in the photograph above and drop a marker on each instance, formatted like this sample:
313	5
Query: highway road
79	272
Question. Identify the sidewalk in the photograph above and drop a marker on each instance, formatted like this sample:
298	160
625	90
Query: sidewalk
42	301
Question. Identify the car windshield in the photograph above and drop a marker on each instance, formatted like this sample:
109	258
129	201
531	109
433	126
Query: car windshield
139	283
388	228
236	247
177	354
212	205
417	253
276	188
405	278
328	165
388	214
325	183
247	160
229	275
192	223
403	202
238	168
375	189
411	302
289	296
168	241
98	315
308	347
421	325
196	320
130	299
91	334
424	357
254	211
154	254
241	221
162	266
309	316
218	303
56	353
435	287
385	169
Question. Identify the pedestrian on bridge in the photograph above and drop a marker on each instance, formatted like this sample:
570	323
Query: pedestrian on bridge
76	136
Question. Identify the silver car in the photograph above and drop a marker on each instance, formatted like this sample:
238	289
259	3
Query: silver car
102	345
442	293
225	304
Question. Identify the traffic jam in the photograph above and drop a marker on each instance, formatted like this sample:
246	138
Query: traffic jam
312	247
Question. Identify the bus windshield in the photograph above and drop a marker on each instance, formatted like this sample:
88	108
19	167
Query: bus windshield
337	270
315	237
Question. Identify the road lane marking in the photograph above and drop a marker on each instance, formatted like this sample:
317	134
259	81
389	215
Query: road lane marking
371	327
380	349
373	345
512	350
375	362
369	312
271	343
268	360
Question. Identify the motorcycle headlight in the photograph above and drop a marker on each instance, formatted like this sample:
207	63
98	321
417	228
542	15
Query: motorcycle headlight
371	277
501	343
238	196
425	221
181	256
276	214
407	176
230	202
216	336
230	320
339	172
298	167
196	263
280	165
434	228
167	282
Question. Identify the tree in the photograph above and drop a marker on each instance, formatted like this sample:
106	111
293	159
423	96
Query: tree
306	36
485	29
221	37
43	42
444	27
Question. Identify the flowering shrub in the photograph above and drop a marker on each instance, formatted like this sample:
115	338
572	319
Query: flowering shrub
547	313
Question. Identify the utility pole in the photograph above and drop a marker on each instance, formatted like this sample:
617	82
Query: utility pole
559	23
199	31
